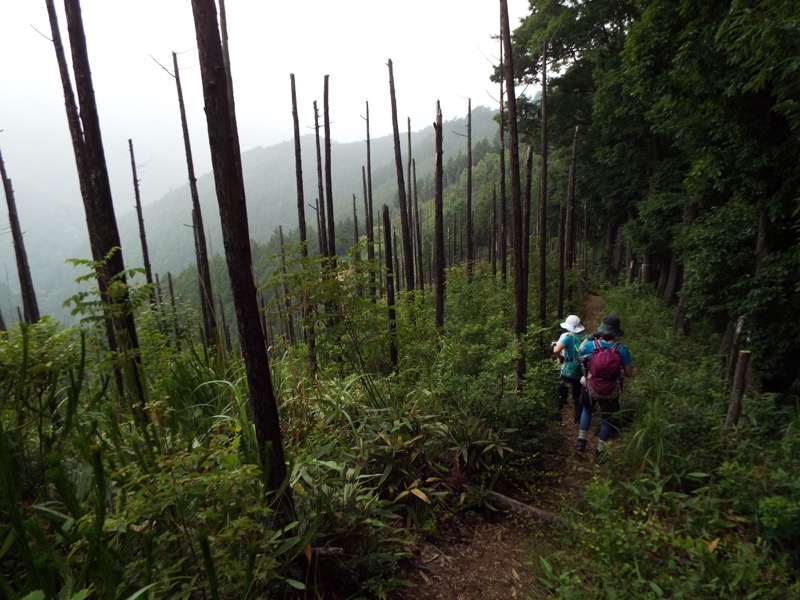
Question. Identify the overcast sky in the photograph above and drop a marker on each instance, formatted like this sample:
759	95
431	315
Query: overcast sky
441	50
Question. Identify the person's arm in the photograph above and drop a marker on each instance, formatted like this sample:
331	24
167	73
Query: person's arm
628	370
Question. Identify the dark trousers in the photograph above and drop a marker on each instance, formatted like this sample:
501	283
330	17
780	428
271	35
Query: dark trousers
573	386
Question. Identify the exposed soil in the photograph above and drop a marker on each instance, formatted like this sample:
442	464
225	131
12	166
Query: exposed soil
491	556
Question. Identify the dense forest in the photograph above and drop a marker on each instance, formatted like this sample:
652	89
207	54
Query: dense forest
293	417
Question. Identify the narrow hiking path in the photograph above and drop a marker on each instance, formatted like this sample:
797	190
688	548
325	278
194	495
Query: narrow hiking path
487	556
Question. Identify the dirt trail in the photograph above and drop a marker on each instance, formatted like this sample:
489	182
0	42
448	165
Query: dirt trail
486	557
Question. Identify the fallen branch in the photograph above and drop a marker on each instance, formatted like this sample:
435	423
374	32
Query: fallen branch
521	508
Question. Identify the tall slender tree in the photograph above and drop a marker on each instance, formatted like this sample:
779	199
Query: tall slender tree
520	310
30	305
321	220
390	300
87	143
543	199
148	271
200	247
301	220
470	233
408	255
369	216
439	257
229	183
329	175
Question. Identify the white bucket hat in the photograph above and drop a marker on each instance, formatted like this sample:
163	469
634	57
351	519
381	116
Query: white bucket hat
573	324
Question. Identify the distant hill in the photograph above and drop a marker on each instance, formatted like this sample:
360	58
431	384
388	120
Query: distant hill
270	184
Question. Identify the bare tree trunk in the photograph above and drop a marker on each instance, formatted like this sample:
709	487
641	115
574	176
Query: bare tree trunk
148	271
561	254
671	287
2	322
175	324
200	247
321	220
390	301
569	235
408	255
30	306
229	182
329	177
493	233
737	391
96	191
543	199
520	324
439	223
526	225
470	227
502	216
418	232
370	225
287	299
734	351
308	311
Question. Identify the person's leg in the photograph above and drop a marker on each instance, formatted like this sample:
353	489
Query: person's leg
606	424
562	392
586	421
577	389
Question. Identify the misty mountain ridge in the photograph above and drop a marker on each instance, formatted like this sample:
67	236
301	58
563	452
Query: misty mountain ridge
271	190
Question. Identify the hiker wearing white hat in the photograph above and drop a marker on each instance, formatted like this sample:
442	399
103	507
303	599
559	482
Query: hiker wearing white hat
567	351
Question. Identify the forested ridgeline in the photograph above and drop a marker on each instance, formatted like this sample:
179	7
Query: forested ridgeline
288	418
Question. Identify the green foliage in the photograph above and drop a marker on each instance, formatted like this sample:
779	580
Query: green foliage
679	509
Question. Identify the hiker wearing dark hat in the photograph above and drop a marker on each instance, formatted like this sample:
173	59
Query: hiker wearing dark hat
608	360
567	349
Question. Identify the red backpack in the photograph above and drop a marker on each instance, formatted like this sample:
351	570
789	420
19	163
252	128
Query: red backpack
605	368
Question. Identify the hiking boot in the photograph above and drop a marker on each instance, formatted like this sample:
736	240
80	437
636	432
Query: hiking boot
580	445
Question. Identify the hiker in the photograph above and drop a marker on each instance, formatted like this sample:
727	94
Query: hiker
567	349
607	361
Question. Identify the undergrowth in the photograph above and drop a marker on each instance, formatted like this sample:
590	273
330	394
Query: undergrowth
679	508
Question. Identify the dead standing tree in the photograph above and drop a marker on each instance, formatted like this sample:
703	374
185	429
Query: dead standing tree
87	144
543	199
301	219
200	248
30	307
408	255
148	271
438	256
229	183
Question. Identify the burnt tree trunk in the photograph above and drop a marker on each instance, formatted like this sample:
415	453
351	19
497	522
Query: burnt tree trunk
329	176
229	182
148	271
369	216
322	222
418	231
101	221
439	223
200	247
287	299
408	256
390	301
308	330
470	226
30	306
